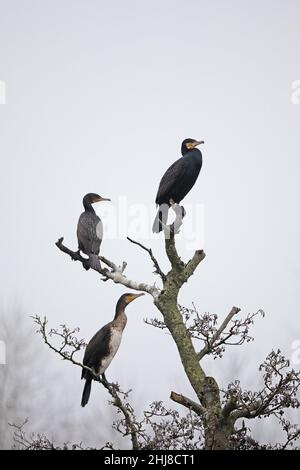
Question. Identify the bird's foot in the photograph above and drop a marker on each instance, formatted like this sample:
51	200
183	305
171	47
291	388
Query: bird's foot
180	213
176	207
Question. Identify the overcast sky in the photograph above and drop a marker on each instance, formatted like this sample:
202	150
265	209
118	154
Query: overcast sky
99	96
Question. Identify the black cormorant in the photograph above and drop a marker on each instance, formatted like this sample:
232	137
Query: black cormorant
103	346
90	230
178	180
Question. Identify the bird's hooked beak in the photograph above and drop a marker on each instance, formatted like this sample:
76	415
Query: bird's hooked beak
132	297
192	145
101	199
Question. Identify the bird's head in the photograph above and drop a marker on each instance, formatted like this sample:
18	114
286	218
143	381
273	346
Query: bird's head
126	299
190	144
92	198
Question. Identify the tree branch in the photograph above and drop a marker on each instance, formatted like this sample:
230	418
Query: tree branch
188	403
176	263
193	263
280	391
71	342
208	347
116	274
169	233
154	260
230	405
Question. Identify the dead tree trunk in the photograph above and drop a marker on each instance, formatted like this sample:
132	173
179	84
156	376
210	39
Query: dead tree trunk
217	432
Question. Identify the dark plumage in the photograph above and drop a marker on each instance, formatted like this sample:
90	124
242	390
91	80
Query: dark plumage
90	230
178	180
103	346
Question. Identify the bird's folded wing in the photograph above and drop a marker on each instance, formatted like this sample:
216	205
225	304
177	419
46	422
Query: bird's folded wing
170	179
97	349
89	231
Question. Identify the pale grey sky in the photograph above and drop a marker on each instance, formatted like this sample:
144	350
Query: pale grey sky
99	96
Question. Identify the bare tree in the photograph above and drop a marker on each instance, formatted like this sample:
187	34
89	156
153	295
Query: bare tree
211	420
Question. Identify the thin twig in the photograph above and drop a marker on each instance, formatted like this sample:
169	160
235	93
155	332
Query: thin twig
154	260
208	347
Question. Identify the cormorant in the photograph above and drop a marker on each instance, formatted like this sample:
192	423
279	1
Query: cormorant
177	181
103	346
90	230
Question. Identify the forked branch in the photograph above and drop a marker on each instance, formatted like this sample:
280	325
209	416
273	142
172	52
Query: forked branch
115	273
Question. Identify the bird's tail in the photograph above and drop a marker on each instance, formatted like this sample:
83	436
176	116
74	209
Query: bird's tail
94	262
161	218
86	392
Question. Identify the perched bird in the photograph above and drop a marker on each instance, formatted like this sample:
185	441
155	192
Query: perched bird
90	230
177	181
103	346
